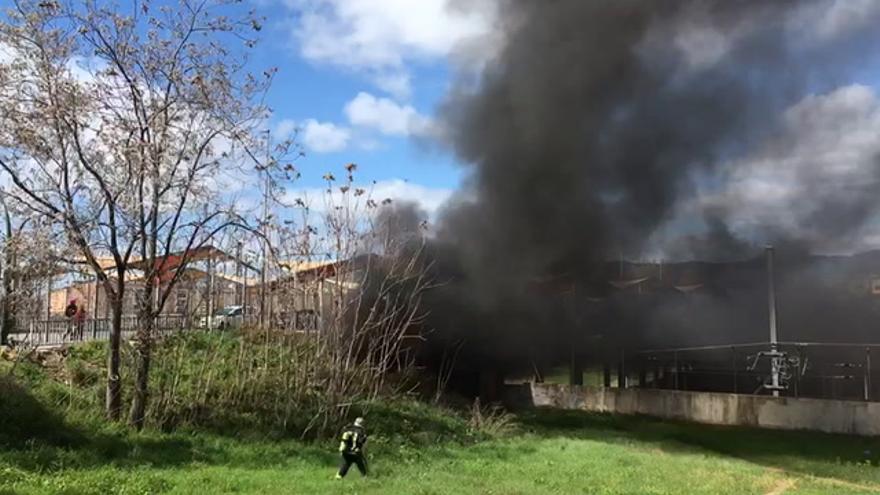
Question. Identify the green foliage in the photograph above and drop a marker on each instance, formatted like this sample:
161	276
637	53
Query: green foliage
89	353
250	382
52	440
491	420
415	448
25	420
410	427
82	375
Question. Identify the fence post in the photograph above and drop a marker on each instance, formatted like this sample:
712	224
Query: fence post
656	371
799	372
643	372
867	373
675	370
606	375
733	363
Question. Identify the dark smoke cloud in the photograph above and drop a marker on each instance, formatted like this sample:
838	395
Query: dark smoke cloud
596	118
398	223
596	123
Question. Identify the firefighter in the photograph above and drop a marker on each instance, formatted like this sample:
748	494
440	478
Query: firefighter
351	446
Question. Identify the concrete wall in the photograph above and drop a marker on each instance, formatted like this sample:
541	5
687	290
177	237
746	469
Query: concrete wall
832	416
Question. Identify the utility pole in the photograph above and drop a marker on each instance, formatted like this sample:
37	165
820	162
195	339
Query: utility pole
775	358
239	292
576	371
264	230
210	299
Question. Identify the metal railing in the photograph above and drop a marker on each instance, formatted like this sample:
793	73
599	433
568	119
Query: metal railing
59	331
809	369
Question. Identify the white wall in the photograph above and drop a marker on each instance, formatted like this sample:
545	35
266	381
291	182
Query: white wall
832	416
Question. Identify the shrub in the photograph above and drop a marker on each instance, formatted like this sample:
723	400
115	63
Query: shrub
491	420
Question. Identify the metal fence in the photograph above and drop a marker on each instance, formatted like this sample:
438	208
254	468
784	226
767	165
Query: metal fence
64	331
60	331
808	369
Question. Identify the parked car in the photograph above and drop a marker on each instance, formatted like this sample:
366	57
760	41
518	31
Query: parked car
228	317
300	320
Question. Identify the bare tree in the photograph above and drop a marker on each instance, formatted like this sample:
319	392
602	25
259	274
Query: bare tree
28	255
116	124
346	256
367	278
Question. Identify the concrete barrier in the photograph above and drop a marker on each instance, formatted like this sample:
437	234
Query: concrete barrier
832	416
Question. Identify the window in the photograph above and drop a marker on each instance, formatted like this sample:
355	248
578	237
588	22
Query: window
129	303
180	302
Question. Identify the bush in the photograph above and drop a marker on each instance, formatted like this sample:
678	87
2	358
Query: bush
83	375
490	420
267	381
250	383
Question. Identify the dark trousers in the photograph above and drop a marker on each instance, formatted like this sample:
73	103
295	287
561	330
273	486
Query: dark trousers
356	459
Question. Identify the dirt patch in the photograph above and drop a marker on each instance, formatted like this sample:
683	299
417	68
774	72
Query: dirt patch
782	486
851	485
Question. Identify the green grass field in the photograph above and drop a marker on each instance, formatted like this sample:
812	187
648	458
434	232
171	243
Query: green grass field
52	441
418	451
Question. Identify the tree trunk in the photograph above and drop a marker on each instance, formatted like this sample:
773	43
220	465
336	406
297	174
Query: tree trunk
143	351
114	385
7	320
142	374
8	305
5	327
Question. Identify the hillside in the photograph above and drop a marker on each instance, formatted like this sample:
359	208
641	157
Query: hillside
51	443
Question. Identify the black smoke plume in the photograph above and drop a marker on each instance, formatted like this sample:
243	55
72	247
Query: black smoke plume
589	131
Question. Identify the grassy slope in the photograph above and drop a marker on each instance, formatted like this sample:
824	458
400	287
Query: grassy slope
552	453
417	449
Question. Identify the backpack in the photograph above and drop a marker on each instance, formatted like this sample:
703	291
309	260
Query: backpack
353	439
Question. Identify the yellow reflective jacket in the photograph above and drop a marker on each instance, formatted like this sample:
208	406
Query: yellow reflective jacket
353	440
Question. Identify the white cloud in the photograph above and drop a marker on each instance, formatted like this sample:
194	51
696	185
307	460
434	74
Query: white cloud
394	83
826	20
285	128
386	116
428	198
816	179
318	137
379	37
324	137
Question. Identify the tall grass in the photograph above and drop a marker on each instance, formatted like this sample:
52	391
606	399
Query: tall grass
263	381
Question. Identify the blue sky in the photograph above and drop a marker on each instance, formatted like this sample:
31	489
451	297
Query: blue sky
360	80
